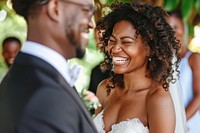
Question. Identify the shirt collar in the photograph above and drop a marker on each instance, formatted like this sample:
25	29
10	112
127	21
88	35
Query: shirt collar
53	58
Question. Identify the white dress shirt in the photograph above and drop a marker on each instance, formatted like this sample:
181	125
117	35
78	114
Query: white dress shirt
53	58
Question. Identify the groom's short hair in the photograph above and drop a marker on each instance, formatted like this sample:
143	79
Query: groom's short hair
28	7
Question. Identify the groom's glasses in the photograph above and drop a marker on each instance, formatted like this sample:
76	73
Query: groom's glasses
86	8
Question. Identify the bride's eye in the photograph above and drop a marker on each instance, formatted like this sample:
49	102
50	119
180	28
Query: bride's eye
126	42
111	41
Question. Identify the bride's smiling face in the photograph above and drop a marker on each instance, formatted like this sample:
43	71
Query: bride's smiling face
128	53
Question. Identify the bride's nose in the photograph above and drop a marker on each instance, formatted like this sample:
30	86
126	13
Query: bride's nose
116	48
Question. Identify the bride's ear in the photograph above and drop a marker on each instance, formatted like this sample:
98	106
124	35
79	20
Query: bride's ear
147	50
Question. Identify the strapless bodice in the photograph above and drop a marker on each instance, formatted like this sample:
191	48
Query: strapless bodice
128	126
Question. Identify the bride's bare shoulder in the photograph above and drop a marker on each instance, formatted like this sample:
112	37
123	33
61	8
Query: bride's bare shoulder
158	96
102	89
160	109
102	94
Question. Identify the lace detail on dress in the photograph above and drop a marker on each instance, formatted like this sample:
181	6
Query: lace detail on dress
98	121
129	126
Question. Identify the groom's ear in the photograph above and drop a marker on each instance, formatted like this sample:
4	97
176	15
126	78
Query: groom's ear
52	10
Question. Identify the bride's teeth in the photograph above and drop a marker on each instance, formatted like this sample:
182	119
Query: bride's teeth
119	60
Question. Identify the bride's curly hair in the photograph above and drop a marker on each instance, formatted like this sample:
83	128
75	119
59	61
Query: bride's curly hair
151	24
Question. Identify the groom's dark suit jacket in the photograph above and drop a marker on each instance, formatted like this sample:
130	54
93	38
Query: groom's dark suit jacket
35	98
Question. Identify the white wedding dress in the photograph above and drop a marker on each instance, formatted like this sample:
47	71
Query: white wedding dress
128	126
136	126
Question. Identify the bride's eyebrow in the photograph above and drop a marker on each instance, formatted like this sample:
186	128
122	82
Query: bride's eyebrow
125	37
113	36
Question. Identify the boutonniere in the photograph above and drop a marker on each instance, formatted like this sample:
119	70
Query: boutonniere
90	99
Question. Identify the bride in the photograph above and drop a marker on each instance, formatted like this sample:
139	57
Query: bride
136	99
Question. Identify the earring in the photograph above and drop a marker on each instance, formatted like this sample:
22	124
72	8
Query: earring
149	59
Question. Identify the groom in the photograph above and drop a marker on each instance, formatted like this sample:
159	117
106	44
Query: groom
37	95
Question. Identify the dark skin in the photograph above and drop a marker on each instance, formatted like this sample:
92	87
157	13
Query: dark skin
141	97
10	50
54	14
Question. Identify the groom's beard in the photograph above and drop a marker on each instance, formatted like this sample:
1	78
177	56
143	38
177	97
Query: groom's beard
8	64
80	52
72	37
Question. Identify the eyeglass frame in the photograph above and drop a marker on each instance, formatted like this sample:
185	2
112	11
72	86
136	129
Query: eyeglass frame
87	8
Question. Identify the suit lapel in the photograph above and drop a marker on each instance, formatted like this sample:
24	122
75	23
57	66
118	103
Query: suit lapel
76	97
53	73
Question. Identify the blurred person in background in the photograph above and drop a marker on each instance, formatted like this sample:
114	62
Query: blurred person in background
189	75
10	47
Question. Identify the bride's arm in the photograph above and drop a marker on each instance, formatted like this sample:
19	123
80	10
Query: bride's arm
160	112
194	105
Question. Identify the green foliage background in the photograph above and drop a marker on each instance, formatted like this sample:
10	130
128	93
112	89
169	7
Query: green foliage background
15	25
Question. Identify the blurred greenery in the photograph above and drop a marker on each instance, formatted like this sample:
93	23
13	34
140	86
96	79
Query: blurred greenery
170	5
89	61
14	25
